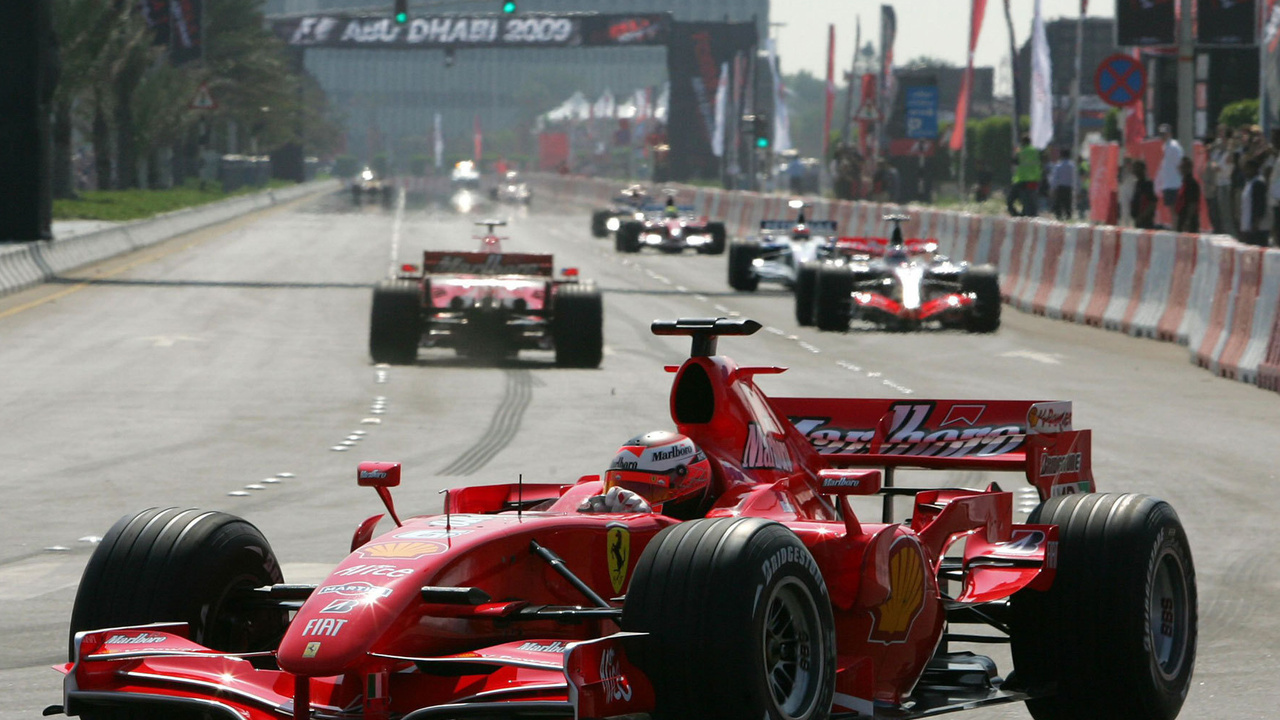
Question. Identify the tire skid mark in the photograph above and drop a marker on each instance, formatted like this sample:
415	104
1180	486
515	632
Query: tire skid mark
502	429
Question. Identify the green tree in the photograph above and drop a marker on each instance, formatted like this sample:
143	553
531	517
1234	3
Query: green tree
1239	114
83	27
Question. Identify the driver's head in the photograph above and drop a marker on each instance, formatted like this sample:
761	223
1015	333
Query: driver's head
666	468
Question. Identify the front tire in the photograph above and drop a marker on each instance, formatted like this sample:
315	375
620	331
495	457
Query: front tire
395	323
627	239
718	240
738	619
742	274
172	565
578	326
1116	633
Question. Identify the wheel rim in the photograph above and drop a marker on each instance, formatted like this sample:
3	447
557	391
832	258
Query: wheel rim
1168	614
792	657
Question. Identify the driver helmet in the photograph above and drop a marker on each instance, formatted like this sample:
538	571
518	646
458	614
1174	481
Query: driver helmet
671	210
664	468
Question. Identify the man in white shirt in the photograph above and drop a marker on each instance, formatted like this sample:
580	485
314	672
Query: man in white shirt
1168	179
1062	182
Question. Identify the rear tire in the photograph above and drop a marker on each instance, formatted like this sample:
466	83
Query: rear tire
395	323
598	219
738	619
742	274
832	288
984	315
805	292
578	326
172	565
1116	633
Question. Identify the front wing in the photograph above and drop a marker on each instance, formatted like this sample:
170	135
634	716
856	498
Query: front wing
156	666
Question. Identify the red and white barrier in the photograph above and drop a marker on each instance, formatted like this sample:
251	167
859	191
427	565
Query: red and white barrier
1218	297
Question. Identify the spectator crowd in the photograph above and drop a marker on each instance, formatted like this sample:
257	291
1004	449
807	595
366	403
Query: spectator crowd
1240	186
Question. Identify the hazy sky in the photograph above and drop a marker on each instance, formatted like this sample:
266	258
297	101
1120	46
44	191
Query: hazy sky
939	28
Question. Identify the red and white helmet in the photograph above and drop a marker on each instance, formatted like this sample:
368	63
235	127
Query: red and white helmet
662	466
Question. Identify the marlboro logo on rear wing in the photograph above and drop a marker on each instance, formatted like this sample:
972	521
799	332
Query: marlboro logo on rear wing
997	435
479	263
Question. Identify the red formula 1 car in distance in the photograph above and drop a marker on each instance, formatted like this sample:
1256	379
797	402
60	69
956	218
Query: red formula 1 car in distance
487	303
671	228
897	284
769	599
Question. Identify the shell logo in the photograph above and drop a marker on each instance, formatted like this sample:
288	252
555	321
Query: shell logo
400	550
893	618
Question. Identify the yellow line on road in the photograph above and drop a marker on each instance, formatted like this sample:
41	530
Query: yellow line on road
196	238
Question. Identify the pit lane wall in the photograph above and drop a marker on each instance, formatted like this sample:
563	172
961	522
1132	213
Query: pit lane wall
25	264
1209	293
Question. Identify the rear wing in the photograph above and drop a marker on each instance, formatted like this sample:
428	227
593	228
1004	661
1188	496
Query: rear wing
682	209
817	227
876	247
1032	437
479	263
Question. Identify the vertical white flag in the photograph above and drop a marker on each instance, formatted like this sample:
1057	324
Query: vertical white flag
722	94
781	120
1041	85
438	143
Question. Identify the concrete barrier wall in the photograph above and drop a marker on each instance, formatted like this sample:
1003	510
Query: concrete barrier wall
23	265
1210	293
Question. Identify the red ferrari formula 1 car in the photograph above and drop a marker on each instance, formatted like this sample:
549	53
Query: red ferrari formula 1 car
767	598
487	303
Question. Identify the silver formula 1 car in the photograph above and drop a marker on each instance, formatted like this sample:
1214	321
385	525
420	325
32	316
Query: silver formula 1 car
898	284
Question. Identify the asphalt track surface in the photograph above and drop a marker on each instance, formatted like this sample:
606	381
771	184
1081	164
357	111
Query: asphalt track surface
223	369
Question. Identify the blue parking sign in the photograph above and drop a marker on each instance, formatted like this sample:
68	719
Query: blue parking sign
922	111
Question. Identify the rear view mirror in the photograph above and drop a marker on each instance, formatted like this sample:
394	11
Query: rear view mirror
378	474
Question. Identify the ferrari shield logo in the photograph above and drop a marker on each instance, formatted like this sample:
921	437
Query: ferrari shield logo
618	543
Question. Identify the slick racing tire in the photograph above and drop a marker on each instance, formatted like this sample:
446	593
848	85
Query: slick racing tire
831	300
717	244
738	620
742	274
578	326
174	565
1116	632
805	292
627	239
983	316
395	324
599	219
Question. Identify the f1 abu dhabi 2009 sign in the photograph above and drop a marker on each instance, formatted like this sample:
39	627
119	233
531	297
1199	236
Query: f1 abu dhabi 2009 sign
343	31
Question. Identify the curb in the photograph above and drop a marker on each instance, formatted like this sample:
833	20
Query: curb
23	265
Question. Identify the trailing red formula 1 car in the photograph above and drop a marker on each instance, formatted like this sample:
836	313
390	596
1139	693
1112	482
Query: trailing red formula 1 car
487	303
764	597
898	284
671	228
